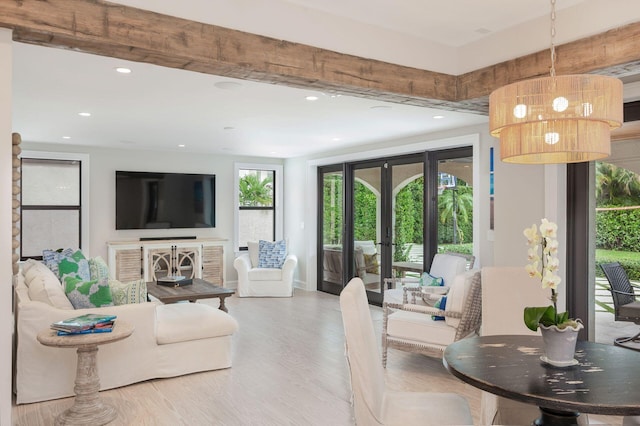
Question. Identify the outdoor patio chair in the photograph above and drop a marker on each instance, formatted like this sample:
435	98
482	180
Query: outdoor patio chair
626	307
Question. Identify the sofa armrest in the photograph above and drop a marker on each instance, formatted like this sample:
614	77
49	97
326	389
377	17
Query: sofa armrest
242	264
34	316
289	266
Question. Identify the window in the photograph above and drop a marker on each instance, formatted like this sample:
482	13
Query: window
52	215
259	203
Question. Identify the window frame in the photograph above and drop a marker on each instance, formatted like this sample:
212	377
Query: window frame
83	237
277	169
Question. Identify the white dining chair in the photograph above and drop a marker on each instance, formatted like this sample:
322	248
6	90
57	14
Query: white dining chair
373	403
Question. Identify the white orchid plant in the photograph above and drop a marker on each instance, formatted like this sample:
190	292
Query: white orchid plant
544	264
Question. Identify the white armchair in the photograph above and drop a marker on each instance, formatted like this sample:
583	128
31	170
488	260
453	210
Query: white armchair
412	327
264	282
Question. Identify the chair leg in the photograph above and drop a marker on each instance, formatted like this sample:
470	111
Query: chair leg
626	342
385	316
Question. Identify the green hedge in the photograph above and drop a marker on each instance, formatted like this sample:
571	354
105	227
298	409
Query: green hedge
618	230
630	261
456	248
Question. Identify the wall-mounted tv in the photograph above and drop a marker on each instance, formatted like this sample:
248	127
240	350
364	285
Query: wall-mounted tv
149	200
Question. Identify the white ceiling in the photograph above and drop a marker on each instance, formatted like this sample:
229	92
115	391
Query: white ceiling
160	108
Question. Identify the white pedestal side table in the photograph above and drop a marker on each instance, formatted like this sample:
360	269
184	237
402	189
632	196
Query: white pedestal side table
87	408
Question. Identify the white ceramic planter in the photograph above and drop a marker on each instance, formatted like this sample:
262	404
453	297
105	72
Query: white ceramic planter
560	344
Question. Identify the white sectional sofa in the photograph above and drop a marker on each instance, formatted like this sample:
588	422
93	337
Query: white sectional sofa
168	340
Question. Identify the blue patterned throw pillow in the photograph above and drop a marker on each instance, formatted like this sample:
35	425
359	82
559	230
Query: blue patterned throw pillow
442	305
271	254
429	280
51	258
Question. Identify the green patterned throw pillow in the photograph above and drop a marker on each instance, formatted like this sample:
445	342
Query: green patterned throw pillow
75	266
126	293
87	294
98	269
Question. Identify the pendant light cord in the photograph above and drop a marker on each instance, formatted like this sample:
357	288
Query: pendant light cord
553	36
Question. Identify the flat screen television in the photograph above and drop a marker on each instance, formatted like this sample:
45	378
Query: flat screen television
149	200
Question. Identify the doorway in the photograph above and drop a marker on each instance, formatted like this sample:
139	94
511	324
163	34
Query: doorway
386	218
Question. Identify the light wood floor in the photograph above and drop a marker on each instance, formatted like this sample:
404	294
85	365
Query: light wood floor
288	368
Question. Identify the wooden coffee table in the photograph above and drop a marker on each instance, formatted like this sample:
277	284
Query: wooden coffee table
200	289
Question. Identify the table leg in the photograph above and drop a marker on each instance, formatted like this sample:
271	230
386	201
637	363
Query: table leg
87	408
553	417
222	306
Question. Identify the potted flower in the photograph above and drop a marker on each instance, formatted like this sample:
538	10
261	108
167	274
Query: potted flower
544	265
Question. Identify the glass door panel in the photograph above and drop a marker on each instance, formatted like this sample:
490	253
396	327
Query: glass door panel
367	217
331	274
455	205
408	219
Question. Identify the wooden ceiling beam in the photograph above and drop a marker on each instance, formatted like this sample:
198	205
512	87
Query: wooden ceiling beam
109	29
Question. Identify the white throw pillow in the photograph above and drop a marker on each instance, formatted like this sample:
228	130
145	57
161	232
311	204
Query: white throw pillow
44	286
253	253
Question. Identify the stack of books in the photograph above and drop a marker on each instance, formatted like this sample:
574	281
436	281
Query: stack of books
84	324
174	281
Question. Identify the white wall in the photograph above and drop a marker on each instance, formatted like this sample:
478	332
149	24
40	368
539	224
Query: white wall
104	163
6	289
304	170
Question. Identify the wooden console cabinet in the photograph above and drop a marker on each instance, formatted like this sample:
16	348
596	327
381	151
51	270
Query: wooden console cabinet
149	260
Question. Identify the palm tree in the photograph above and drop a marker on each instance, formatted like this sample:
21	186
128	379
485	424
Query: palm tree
255	191
456	203
615	185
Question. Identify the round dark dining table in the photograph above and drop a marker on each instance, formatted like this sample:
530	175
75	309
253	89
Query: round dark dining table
606	379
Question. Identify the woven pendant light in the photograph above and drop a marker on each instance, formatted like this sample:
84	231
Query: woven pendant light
556	119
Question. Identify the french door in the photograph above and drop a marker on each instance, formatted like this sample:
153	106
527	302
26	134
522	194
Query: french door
381	218
372	222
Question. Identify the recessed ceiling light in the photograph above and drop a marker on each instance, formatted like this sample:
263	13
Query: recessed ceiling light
336	139
380	107
123	70
84	114
311	98
181	145
66	137
229	128
228	85
438	117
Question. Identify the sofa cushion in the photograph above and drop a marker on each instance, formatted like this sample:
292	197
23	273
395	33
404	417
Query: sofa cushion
87	294
129	292
418	326
447	266
180	322
271	254
75	265
265	274
368	247
51	258
253	253
458	295
43	286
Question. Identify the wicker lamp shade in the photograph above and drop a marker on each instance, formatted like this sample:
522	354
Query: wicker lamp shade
558	119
